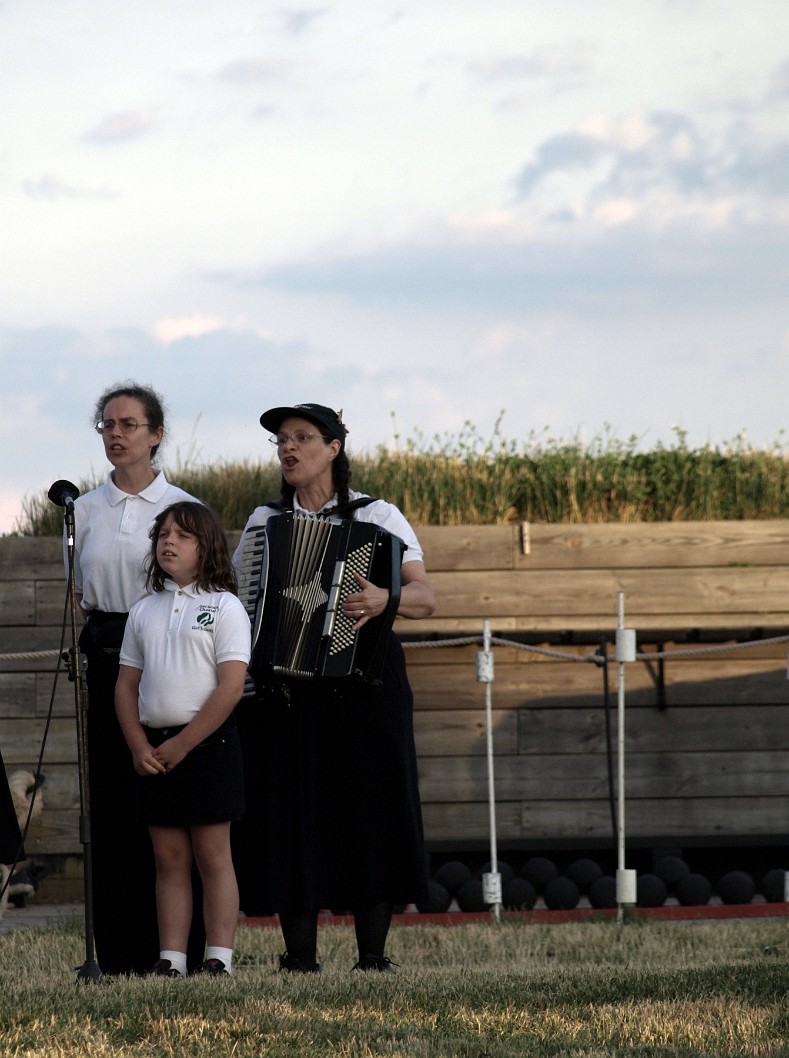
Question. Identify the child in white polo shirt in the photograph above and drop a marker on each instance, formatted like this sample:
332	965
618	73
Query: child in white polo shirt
182	668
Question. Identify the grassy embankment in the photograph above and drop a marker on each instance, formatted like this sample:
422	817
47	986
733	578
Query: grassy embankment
467	480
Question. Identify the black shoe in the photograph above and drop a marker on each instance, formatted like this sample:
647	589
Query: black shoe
290	964
214	967
381	963
163	968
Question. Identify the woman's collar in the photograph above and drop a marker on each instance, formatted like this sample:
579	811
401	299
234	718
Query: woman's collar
331	502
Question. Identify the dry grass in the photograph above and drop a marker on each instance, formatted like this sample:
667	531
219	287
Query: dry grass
470	480
583	990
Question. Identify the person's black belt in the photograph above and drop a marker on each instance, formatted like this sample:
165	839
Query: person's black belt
103	616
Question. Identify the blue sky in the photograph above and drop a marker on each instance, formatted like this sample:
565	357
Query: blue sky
426	213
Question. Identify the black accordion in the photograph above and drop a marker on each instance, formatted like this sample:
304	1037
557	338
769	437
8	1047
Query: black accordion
294	573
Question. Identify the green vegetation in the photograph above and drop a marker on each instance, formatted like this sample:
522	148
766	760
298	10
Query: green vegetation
650	989
470	480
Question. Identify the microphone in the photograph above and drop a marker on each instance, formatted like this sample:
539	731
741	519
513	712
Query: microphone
63	493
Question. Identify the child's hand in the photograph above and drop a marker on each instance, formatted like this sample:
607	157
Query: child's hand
145	762
169	754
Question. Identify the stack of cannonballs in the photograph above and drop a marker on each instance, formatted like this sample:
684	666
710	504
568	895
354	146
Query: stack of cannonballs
538	882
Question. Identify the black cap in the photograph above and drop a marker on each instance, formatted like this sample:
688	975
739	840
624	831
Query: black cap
329	420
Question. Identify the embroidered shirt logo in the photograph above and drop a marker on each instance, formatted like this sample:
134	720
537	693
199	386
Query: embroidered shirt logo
205	619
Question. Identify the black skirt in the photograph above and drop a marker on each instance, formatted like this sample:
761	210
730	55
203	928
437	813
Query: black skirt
206	787
333	816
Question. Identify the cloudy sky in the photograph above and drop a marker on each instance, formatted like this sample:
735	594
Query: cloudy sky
426	212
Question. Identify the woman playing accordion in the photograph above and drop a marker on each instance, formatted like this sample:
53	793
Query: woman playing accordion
333	814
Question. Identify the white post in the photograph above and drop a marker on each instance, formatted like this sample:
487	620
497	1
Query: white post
625	652
491	881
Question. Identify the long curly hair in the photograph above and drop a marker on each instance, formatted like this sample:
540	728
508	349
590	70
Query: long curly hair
215	571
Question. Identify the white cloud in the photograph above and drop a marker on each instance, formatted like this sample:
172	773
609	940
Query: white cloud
168	331
50	188
10	511
618	211
297	20
779	83
121	126
255	71
559	60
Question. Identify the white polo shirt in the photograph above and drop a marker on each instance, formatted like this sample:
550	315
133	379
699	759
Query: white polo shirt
379	512
111	541
178	637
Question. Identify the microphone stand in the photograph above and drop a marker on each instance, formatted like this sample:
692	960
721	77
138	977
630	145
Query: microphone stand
90	969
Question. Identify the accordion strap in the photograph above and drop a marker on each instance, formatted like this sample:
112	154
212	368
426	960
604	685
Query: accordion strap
341	511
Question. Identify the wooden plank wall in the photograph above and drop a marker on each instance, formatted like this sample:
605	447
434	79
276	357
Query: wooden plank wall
707	746
707	731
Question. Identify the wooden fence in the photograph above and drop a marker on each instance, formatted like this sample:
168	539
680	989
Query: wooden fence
707	727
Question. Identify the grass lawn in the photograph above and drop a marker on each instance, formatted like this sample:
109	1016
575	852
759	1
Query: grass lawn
585	990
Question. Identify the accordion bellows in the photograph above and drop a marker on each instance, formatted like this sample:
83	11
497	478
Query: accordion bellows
294	573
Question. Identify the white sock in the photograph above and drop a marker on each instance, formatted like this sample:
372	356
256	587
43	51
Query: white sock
177	960
225	955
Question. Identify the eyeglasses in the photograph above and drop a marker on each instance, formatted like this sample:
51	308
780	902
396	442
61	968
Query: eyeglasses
298	437
126	426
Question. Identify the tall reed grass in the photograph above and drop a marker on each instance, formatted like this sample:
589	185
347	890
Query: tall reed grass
466	479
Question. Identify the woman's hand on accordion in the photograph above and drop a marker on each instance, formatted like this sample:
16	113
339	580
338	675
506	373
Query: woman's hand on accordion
368	602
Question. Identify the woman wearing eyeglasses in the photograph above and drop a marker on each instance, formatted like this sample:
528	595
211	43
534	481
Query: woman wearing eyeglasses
111	543
333	814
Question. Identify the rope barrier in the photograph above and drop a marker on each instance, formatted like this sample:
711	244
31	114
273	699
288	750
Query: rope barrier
546	651
461	641
30	655
595	657
719	649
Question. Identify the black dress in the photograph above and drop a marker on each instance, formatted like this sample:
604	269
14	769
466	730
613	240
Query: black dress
333	817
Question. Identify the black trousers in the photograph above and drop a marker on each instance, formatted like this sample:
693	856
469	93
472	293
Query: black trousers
123	870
